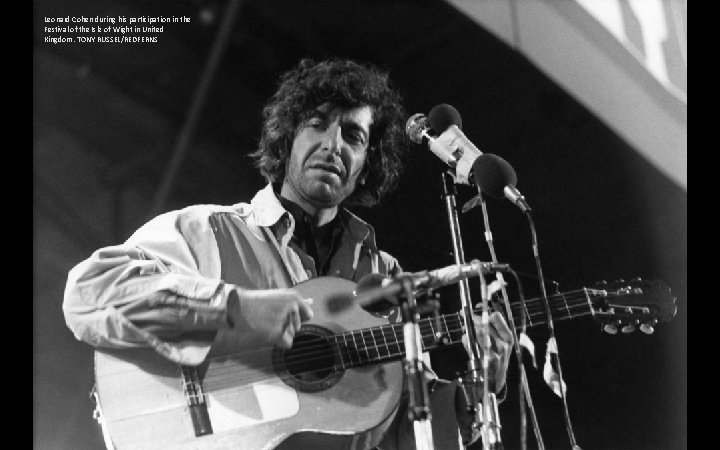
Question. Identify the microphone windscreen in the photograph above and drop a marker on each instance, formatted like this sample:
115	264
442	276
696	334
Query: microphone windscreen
442	116
492	174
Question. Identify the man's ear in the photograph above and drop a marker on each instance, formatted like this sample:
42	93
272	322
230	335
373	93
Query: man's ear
363	177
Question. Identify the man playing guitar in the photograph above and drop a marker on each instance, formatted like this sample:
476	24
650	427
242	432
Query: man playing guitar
198	283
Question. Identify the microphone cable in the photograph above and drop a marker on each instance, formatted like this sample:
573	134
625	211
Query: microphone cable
496	177
551	329
524	388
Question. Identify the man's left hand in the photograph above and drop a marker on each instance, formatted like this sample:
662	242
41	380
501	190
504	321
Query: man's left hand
501	343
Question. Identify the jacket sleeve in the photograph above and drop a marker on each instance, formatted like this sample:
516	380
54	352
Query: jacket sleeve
161	289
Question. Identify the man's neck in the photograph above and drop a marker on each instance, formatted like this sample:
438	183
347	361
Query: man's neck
318	214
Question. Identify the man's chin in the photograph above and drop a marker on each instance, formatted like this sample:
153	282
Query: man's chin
326	195
326	201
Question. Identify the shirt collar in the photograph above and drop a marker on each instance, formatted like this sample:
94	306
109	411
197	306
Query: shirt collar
268	211
266	207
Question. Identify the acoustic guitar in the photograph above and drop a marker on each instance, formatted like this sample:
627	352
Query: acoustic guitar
337	387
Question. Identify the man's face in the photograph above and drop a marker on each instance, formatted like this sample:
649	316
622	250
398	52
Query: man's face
328	154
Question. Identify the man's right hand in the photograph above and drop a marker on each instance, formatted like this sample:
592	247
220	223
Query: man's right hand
273	314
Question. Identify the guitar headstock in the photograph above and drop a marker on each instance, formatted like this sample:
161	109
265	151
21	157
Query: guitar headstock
626	306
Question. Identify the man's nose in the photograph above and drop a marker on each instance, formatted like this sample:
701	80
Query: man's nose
333	138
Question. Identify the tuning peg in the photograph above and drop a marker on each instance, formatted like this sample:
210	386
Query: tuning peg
601	283
629	328
636	280
620	280
610	328
648	328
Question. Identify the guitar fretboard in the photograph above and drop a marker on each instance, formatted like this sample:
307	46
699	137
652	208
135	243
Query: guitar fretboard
387	342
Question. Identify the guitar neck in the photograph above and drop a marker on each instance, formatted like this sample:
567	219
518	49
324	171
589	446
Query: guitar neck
387	343
562	306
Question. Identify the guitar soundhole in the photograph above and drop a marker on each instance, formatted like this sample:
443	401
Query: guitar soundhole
310	365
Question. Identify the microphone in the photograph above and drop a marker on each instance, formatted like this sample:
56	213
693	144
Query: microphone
496	177
455	273
451	146
373	289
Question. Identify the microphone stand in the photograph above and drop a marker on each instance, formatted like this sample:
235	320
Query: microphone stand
489	416
525	388
418	401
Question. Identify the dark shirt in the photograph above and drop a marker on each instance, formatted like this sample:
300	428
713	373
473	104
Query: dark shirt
320	243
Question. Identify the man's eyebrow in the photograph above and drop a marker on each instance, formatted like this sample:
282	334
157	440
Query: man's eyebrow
315	113
320	111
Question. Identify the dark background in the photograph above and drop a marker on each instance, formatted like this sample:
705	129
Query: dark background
108	119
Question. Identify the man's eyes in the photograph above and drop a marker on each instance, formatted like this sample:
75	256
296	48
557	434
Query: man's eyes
350	133
353	136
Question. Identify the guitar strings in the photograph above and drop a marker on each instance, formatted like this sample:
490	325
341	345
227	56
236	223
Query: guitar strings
369	337
224	382
219	379
361	353
362	332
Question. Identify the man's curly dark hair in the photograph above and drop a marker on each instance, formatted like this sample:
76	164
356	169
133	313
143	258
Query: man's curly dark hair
347	84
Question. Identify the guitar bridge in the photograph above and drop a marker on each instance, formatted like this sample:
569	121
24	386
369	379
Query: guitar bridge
192	388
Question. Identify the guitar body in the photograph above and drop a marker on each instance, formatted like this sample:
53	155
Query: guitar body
256	397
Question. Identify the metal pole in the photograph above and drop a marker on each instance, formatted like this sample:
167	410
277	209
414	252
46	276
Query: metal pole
488	413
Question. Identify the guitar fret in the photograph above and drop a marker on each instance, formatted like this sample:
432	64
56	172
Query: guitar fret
566	305
387	348
349	350
381	345
432	330
362	349
357	347
400	350
369	348
340	351
394	341
557	304
447	328
427	338
457	333
586	294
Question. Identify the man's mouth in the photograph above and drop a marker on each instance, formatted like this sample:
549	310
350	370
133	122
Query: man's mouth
332	168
